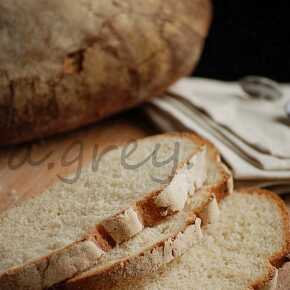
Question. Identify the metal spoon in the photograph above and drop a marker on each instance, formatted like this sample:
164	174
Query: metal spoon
287	109
261	88
257	87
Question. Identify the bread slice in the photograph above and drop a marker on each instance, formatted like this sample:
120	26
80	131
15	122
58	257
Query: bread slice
238	252
158	245
70	227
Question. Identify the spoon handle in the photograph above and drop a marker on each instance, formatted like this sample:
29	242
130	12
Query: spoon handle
258	87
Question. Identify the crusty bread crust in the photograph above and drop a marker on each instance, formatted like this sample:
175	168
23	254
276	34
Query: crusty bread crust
148	261
276	260
145	262
92	67
45	272
106	281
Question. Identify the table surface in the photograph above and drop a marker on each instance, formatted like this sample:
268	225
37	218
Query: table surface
28	170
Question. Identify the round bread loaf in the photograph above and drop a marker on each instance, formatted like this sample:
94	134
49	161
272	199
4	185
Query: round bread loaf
65	64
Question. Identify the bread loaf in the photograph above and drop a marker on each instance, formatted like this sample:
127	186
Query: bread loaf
79	223
65	64
238	252
158	245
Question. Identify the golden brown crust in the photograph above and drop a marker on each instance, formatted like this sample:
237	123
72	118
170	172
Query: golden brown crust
148	261
111	72
226	186
124	268
276	260
263	281
100	236
97	282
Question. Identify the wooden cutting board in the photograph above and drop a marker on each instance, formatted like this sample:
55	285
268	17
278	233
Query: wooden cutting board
28	170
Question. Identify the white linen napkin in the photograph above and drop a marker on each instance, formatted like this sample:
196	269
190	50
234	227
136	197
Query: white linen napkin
253	136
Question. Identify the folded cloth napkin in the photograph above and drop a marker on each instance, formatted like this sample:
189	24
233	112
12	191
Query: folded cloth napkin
253	135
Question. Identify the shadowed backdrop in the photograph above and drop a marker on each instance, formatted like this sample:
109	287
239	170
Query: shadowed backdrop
248	37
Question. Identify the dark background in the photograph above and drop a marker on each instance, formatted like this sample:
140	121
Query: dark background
248	37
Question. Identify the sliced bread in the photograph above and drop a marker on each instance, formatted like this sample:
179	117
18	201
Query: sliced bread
238	252
158	245
70	227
